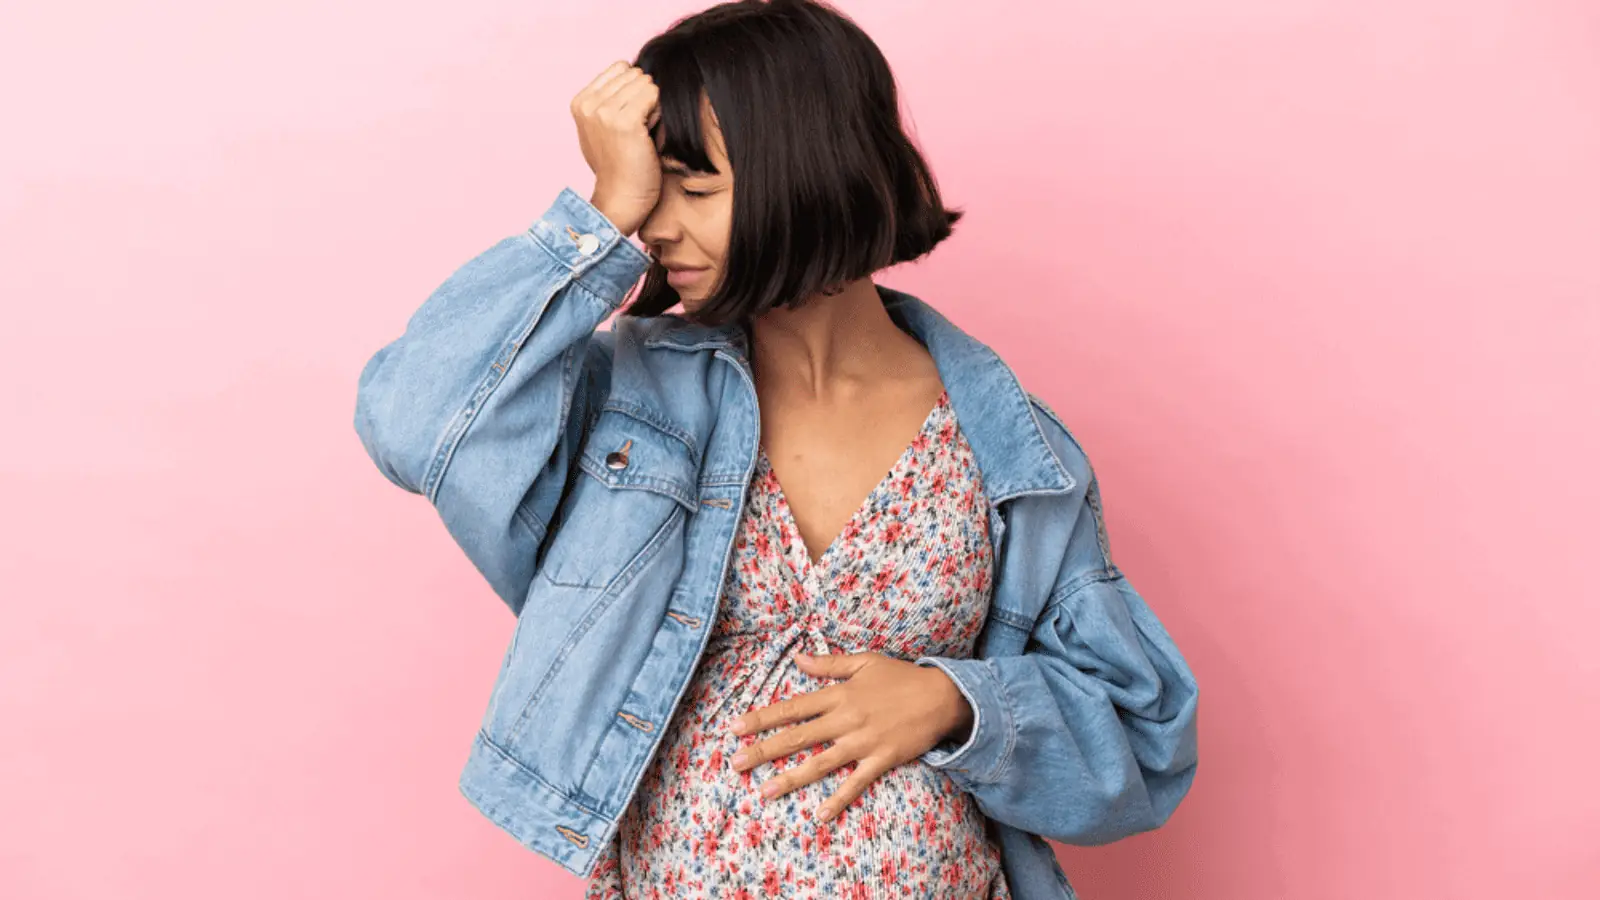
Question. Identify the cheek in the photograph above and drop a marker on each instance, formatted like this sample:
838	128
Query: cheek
715	226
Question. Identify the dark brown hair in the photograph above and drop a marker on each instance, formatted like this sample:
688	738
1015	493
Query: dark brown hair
829	187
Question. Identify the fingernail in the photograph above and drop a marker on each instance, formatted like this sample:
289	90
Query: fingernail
825	813
736	726
740	758
769	789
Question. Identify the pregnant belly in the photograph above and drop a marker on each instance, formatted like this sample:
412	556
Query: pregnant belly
696	818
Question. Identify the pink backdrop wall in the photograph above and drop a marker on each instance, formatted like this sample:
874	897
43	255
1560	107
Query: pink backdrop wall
1315	282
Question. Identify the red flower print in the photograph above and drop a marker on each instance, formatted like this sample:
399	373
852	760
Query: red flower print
824	837
882	579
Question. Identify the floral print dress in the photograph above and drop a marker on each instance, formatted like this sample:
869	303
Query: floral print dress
909	575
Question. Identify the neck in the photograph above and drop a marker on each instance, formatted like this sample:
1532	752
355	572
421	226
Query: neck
831	344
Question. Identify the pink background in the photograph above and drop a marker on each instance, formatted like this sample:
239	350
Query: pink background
1315	282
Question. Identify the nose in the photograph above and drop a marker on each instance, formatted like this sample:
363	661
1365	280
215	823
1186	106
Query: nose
662	225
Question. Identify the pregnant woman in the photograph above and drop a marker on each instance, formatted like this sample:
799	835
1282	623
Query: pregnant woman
814	600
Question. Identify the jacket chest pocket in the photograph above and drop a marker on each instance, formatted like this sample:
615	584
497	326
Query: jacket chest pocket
634	485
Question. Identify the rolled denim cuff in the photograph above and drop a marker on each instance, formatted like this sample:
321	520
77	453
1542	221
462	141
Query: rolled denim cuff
984	753
581	238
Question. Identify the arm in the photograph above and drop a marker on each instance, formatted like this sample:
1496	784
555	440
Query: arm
481	403
1088	736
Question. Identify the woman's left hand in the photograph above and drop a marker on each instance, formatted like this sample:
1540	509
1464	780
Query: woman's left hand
886	712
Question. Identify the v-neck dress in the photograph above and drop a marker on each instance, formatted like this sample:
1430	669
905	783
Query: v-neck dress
909	575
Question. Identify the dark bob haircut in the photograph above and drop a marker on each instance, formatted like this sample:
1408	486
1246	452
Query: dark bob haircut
828	187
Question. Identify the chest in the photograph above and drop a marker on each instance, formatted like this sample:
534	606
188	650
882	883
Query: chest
829	459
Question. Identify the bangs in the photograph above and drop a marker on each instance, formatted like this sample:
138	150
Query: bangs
679	133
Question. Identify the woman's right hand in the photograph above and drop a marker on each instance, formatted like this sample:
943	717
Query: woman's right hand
614	114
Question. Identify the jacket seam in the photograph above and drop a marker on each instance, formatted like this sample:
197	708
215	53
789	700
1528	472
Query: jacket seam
462	421
608	595
574	274
673	490
644	415
506	755
1045	408
592	297
1007	617
529	521
1006	755
1069	591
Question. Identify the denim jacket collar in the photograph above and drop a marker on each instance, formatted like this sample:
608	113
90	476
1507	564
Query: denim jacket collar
994	410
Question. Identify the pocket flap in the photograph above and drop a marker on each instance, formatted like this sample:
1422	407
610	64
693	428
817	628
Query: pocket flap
647	458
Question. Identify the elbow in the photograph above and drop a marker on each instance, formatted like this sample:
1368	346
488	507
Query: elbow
379	426
1142	806
1146	792
1170	764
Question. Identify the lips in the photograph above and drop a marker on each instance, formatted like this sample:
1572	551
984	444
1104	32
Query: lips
678	276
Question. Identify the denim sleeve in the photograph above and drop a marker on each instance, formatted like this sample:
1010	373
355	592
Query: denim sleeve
1090	735
480	404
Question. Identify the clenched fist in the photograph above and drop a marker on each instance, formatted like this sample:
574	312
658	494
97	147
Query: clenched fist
614	114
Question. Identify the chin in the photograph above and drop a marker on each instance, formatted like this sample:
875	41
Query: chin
692	300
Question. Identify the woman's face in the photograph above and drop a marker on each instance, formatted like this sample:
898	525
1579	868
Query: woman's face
688	229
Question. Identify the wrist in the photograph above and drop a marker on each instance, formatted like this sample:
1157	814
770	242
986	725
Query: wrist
625	223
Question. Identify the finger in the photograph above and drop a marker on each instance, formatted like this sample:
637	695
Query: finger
606	74
786	743
641	95
834	665
633	103
593	98
807	772
616	87
867	771
793	709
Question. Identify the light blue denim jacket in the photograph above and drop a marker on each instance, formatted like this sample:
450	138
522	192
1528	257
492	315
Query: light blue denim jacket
595	477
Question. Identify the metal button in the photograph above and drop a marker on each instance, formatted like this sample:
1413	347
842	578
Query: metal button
588	244
618	459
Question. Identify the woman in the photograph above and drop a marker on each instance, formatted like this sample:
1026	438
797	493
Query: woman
813	599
